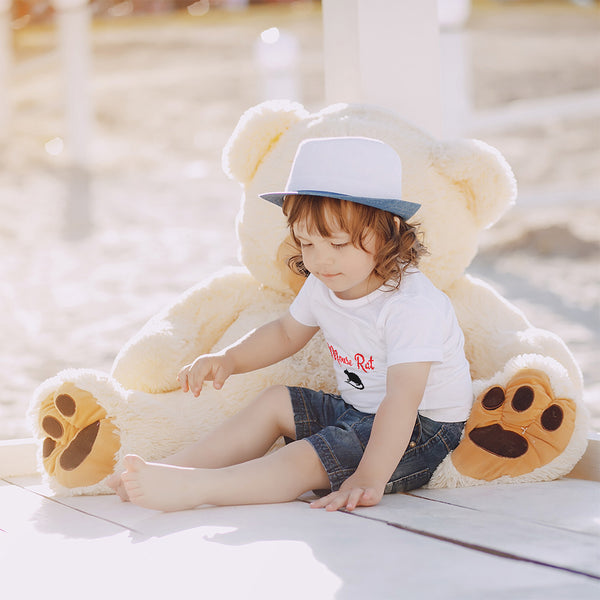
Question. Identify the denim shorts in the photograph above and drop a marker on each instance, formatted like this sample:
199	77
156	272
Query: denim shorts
339	434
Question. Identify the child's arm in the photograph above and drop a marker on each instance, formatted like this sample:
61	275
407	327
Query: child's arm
392	428
260	348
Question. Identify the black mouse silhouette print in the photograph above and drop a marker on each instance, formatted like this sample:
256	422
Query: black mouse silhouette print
354	380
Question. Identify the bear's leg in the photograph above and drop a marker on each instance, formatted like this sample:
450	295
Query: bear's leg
281	476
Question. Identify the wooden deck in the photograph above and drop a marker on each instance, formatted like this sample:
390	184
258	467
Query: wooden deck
507	541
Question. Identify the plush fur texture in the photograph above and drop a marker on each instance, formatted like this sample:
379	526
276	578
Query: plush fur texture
464	186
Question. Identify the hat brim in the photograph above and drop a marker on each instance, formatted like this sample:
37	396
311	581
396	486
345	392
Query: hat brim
400	208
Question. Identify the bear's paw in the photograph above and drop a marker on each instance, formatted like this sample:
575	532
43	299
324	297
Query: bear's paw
515	429
81	442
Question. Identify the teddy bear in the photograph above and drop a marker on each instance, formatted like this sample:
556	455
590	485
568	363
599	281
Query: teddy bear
527	423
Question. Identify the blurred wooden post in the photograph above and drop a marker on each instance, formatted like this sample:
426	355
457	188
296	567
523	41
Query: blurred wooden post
73	19
455	66
385	52
5	69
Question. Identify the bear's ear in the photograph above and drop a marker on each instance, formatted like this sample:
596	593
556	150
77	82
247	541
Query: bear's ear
256	132
483	175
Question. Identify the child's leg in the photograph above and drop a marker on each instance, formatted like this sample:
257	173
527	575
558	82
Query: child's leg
244	436
277	477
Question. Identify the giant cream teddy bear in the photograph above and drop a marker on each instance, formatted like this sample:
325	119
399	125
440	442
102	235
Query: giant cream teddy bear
527	422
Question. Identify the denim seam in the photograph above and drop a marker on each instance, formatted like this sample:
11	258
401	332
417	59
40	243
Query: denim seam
407	478
303	426
355	426
425	445
336	472
439	433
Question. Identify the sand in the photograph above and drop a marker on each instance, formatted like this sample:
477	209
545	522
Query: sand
87	258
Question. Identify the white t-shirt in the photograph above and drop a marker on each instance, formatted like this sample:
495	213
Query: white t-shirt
415	323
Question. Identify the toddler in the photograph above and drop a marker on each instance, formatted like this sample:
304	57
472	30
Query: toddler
404	389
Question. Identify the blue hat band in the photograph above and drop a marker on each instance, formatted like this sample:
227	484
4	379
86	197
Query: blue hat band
400	208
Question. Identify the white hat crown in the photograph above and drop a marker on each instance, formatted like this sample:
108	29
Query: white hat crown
358	169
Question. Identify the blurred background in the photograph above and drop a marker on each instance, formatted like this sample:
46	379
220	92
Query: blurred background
111	211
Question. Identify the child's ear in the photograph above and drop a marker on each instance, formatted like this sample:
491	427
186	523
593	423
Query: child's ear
482	174
256	132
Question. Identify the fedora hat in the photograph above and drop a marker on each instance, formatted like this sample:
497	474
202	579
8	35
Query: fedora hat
357	169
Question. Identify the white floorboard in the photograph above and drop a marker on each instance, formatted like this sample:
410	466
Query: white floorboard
572	504
514	535
97	547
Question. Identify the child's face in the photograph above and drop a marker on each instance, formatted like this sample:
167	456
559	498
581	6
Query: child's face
347	270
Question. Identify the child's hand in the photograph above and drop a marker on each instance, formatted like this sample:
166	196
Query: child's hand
209	367
352	493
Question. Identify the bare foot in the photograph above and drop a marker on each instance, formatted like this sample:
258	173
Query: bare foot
161	487
116	483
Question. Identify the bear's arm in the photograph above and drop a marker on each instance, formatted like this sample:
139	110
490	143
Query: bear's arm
190	326
496	331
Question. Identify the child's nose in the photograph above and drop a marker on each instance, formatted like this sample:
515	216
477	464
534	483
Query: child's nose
325	257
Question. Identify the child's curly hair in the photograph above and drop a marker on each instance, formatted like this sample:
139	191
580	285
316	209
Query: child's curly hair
398	244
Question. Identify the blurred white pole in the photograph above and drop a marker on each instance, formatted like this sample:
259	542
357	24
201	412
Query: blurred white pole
5	68
454	13
455	67
235	4
276	54
385	52
73	19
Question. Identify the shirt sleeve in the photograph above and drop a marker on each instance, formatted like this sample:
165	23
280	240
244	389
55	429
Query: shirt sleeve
301	308
414	332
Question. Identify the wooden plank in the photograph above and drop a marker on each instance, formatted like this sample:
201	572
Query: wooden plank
25	512
570	504
487	531
258	552
107	507
589	466
17	457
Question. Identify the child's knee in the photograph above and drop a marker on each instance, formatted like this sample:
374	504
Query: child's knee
277	402
274	394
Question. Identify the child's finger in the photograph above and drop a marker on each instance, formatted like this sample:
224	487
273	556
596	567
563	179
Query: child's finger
184	383
331	502
196	384
320	503
354	498
198	374
182	378
338	501
220	377
369	497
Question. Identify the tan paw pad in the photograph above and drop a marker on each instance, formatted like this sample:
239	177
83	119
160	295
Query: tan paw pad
516	429
81	442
